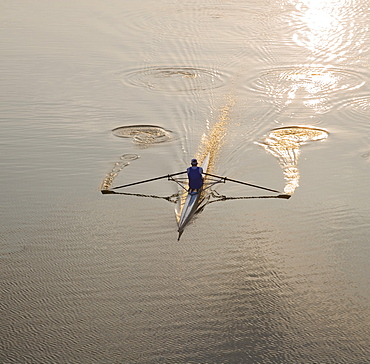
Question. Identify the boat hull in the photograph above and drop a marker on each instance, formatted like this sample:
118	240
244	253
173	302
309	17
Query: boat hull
192	202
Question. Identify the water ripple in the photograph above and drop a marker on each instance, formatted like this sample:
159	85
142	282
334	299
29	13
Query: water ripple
185	20
145	134
356	111
174	79
311	86
357	107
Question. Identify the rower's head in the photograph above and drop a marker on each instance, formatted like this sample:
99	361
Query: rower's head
194	162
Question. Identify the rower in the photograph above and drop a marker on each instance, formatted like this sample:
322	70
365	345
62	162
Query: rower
195	177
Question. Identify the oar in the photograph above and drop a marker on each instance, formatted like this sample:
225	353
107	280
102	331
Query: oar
147	180
241	182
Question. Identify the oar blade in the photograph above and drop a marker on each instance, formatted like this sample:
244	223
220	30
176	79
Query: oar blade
107	192
287	197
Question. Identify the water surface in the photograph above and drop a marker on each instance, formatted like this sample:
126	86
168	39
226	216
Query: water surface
98	94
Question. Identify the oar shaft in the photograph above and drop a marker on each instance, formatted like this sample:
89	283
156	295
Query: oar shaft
242	183
249	184
148	180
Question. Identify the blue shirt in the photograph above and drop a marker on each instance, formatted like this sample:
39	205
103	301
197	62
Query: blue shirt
195	177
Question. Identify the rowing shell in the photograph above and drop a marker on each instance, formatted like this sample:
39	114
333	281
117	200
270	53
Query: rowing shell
192	202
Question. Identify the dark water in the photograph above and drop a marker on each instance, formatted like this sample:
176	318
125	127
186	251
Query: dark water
277	91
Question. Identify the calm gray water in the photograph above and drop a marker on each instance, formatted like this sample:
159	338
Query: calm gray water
277	90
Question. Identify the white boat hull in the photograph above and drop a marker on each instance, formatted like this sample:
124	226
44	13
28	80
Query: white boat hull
192	202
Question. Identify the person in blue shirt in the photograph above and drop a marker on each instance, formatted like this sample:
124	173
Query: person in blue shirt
195	176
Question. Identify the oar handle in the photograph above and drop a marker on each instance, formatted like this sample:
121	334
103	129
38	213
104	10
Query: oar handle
241	182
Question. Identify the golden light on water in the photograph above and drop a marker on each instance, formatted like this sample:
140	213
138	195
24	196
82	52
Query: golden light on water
312	82
284	144
214	139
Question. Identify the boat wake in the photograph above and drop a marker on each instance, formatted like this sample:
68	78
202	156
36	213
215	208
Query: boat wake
124	161
284	144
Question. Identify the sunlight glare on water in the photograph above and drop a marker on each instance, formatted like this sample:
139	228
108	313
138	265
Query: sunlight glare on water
327	29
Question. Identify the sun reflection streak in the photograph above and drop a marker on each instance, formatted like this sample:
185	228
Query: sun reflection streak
328	28
284	144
